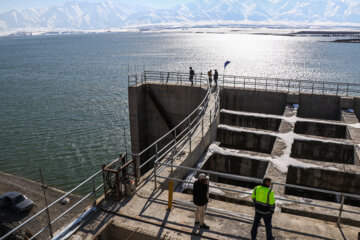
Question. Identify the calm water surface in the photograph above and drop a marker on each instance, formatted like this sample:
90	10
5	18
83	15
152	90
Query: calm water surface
63	99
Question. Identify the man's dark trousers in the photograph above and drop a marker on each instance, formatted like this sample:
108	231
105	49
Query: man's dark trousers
268	226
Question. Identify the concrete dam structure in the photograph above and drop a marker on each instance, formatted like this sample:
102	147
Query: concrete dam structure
304	135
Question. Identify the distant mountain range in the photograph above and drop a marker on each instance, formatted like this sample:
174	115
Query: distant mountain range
105	14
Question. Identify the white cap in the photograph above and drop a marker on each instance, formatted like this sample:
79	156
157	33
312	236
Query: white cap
202	176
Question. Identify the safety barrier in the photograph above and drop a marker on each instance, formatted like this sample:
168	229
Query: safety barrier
291	85
259	181
91	195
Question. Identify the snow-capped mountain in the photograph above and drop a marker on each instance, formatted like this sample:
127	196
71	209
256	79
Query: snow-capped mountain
105	14
255	10
72	15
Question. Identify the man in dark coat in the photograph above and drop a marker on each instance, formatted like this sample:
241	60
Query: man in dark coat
216	76
200	199
191	75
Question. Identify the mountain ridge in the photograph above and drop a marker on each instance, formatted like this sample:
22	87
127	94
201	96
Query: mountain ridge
106	14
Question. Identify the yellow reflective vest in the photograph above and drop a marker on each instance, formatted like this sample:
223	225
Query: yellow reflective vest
264	199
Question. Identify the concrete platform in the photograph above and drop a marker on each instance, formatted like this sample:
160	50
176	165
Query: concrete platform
146	213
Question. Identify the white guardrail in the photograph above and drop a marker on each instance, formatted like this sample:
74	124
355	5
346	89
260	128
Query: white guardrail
91	195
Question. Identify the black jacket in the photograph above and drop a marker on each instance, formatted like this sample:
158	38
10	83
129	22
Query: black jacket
200	193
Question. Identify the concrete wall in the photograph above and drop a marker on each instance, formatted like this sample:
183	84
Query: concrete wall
146	123
323	151
236	165
357	107
319	106
321	129
253	101
246	140
250	121
325	179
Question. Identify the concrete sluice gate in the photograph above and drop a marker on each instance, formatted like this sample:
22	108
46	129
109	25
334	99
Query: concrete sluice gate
245	141
323	179
235	165
265	123
323	151
321	129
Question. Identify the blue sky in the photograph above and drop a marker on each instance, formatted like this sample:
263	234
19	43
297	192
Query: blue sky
6	5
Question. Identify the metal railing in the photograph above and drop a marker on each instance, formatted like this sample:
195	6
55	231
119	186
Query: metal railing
165	77
291	85
259	181
182	134
91	195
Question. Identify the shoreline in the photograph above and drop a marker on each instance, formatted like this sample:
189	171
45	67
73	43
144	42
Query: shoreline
272	30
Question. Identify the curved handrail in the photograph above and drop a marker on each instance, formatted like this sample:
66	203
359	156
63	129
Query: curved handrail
215	107
144	79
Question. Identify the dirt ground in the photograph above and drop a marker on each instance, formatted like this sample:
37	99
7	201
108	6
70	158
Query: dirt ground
33	190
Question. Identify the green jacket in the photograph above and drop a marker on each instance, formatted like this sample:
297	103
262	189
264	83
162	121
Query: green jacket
264	199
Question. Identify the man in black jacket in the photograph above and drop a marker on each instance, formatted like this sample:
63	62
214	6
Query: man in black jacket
191	75
200	199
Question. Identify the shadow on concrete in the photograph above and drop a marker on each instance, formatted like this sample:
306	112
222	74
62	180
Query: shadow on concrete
313	236
197	232
341	231
163	223
151	199
8	216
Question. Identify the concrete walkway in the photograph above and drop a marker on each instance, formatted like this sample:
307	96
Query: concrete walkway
146	212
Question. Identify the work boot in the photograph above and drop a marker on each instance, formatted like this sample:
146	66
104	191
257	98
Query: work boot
204	226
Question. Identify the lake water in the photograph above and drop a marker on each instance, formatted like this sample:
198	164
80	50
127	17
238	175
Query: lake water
63	99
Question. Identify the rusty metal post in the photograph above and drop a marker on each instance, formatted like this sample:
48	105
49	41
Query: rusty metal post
137	168
117	185
124	170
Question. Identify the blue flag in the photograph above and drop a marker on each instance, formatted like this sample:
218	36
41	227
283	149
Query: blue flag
226	63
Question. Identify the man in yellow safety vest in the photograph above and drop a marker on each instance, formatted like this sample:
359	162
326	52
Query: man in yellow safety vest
264	200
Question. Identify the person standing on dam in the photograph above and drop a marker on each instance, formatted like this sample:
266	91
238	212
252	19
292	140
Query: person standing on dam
210	77
200	199
216	76
191	76
264	200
